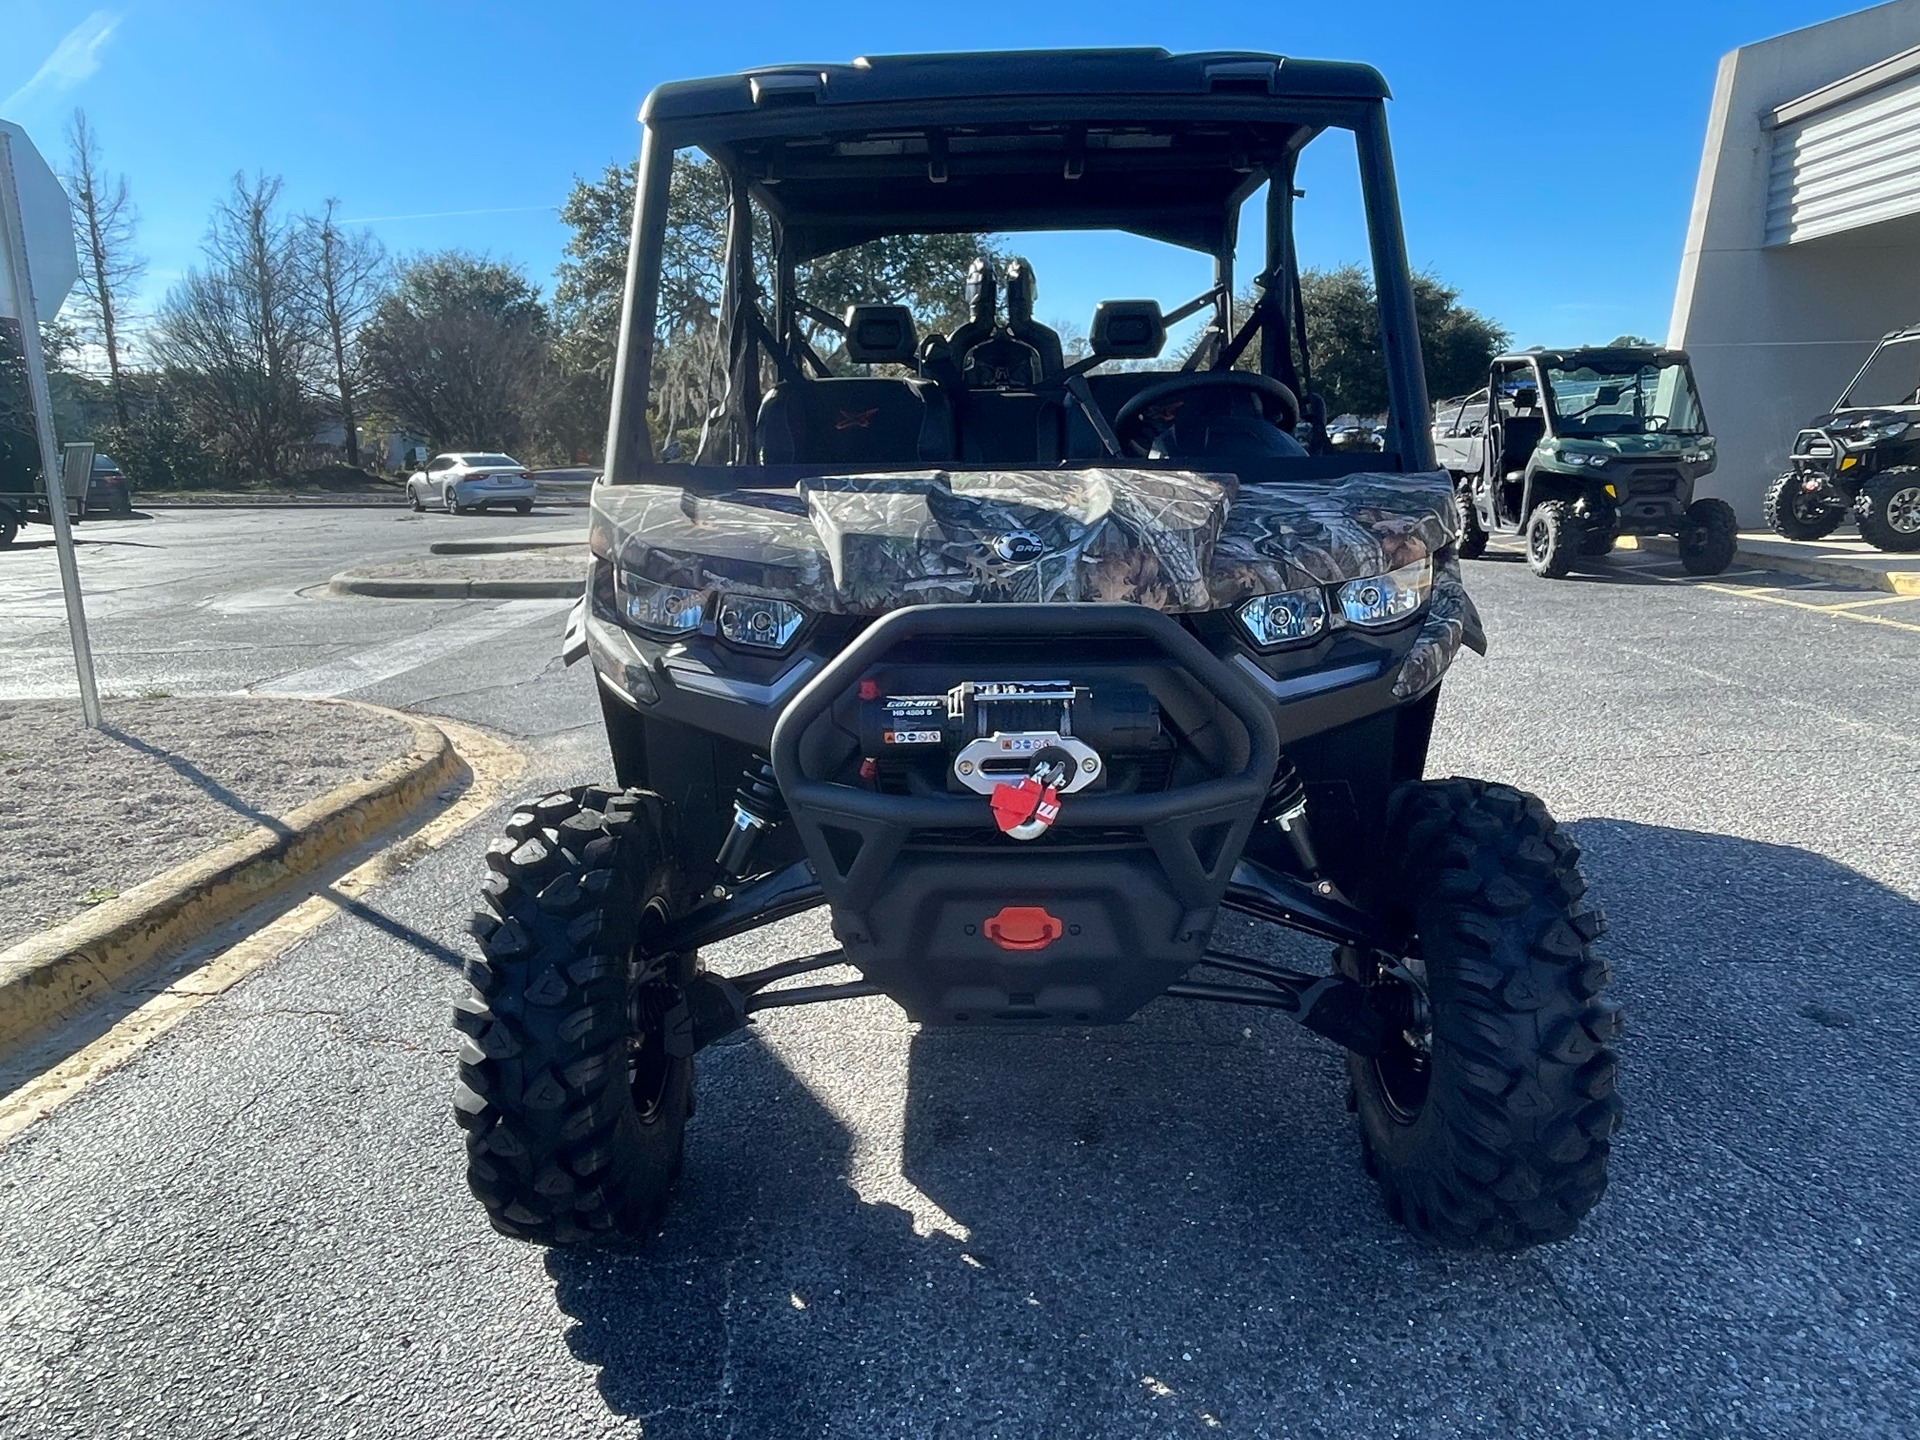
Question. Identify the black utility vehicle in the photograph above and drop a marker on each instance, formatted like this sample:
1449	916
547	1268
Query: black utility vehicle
1027	668
1861	458
1575	448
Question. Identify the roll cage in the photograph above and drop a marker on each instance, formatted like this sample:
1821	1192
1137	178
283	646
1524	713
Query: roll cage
1161	145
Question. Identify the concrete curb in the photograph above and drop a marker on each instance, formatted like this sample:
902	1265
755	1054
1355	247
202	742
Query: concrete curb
1814	567
502	547
347	583
58	972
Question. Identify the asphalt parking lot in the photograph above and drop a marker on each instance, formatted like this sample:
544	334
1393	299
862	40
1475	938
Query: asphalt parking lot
259	1227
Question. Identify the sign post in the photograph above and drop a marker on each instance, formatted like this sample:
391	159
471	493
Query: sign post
20	299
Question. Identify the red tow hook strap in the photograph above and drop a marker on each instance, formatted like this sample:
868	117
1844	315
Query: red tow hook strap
1025	806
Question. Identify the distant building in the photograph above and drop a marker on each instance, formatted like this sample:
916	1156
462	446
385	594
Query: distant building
1804	244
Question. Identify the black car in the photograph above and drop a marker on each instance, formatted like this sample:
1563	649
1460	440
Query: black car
1861	458
108	488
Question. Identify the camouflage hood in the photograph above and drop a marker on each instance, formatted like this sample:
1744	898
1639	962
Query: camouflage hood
1170	539
1173	540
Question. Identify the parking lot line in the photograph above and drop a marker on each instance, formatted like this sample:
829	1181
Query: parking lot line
1838	612
1881	600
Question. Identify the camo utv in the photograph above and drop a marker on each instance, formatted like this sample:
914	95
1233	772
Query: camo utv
1027	667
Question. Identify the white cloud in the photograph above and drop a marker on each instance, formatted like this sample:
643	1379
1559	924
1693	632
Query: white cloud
74	59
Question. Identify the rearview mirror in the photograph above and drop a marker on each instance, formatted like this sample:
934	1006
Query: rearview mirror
1607	395
1127	330
1525	397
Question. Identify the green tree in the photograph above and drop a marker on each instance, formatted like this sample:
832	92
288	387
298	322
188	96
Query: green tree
926	273
1343	338
458	350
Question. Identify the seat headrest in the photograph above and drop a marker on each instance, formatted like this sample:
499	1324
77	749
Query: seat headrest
982	286
1022	291
1127	329
880	335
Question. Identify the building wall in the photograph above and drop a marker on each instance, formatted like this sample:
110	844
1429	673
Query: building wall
1775	333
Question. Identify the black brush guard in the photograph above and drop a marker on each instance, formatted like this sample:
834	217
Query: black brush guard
1133	913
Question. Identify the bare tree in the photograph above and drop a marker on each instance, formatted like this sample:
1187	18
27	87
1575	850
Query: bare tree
103	220
240	338
348	276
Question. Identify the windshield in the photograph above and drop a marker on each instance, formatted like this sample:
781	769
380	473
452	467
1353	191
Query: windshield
1891	376
1624	398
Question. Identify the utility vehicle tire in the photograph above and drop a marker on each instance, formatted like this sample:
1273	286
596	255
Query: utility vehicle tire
1709	538
1497	1135
1473	539
1789	516
9	526
574	1110
1553	539
1888	509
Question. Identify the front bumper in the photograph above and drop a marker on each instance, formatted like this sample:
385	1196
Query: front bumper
1116	902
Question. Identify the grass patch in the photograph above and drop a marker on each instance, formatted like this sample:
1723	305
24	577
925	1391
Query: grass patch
156	692
99	894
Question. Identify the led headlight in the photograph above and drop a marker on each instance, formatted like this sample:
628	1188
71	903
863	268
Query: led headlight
1384	599
1891	431
664	609
764	624
1281	619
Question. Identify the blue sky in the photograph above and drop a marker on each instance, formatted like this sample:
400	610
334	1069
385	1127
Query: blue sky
1546	153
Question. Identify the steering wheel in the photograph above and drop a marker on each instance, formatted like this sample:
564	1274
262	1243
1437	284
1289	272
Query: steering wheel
1152	410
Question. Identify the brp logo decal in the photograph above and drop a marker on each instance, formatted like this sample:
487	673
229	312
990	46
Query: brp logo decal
856	419
1018	547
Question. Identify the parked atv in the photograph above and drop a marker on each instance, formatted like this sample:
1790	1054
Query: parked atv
1575	448
1861	458
1027	669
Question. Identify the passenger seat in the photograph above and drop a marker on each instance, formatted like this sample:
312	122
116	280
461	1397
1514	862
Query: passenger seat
859	419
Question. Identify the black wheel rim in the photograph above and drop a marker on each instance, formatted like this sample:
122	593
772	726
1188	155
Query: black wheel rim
1404	1066
649	1067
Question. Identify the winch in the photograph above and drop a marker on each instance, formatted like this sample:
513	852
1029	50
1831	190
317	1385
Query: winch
1035	740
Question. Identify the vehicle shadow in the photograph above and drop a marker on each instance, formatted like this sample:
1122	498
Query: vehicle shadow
1164	1227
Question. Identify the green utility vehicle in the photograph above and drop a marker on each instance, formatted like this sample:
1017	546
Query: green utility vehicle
1575	448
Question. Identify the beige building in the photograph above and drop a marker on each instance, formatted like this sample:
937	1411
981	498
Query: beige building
1804	244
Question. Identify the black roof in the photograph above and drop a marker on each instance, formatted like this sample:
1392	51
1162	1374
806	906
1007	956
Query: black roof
1011	74
1163	145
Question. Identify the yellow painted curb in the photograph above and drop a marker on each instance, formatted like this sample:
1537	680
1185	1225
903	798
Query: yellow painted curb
59	972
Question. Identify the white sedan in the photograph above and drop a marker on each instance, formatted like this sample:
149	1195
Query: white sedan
463	483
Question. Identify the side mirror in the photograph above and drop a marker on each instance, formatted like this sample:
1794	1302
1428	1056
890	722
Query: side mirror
1127	330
